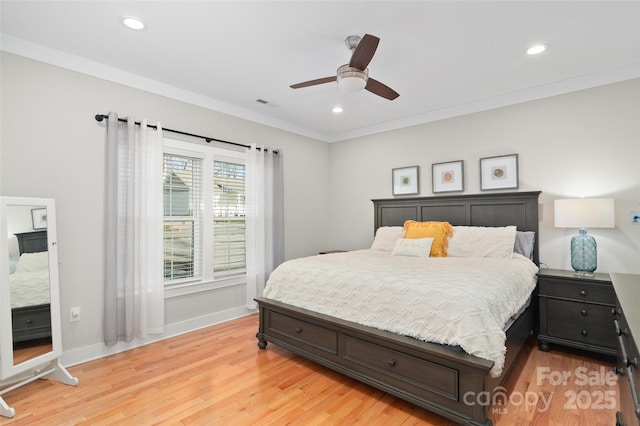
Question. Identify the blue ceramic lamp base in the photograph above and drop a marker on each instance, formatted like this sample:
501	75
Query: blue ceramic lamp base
584	254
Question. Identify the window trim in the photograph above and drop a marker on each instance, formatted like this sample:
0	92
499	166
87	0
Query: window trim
208	154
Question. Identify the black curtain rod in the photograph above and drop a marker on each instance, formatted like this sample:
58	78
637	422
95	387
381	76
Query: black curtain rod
101	117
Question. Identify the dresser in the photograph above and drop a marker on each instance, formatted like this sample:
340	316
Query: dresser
626	319
575	311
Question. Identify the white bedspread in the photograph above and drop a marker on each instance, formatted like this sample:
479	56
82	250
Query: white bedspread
456	301
29	288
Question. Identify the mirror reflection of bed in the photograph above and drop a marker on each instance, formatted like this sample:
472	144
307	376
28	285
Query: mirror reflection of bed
30	294
30	329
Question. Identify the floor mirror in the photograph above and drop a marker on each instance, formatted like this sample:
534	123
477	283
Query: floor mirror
30	329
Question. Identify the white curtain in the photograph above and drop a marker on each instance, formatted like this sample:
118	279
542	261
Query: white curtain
134	299
264	219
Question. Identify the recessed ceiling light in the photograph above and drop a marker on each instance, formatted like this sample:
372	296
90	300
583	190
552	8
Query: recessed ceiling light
537	49
337	109
133	23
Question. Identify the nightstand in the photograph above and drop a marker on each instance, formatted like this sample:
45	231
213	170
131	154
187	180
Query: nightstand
576	311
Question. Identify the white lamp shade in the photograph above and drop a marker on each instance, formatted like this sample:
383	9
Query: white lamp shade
584	213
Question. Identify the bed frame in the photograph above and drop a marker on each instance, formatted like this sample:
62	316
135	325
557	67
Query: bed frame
30	323
431	376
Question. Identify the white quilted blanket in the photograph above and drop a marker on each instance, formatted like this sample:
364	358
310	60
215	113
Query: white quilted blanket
456	301
29	288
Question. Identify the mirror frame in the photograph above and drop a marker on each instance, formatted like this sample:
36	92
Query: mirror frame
7	367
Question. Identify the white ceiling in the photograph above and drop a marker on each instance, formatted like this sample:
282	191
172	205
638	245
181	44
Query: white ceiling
445	58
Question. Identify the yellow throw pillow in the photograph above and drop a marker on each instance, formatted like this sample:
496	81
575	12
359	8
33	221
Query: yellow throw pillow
439	231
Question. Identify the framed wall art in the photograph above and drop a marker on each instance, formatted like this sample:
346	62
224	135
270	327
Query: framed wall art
447	177
405	180
499	172
39	218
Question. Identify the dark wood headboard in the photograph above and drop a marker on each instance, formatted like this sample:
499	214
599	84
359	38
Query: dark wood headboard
494	209
32	242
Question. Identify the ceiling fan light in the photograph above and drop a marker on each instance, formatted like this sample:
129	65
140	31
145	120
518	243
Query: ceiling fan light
352	79
537	49
352	84
132	23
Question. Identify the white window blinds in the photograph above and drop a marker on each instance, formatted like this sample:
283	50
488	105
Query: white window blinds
204	216
229	256
182	222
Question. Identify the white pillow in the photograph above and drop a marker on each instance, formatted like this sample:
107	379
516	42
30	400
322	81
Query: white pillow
386	237
416	247
30	262
479	241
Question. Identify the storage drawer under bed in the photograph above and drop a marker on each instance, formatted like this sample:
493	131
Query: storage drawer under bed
314	337
411	370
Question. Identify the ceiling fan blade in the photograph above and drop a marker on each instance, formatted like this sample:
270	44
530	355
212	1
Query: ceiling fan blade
364	52
313	82
375	87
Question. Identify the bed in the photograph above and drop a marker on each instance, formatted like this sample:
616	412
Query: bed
30	294
435	376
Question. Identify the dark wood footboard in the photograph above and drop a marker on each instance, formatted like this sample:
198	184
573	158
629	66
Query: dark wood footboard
428	375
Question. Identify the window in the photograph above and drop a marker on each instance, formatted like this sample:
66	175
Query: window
204	214
182	187
229	254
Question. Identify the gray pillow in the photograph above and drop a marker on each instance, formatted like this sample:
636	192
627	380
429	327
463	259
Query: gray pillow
524	243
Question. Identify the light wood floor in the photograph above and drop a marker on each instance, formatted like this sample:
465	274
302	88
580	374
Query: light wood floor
21	354
218	376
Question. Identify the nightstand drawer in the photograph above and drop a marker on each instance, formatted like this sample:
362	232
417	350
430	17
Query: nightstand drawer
31	322
581	322
577	290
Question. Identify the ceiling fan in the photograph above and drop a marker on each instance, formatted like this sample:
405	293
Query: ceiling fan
354	76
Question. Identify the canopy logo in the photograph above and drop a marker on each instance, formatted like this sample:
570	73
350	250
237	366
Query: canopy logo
499	400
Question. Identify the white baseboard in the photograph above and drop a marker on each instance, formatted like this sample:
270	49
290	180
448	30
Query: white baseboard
99	350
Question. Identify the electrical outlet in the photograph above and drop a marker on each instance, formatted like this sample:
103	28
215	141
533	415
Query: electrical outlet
74	314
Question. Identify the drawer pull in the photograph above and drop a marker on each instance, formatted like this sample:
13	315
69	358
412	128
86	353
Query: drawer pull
298	330
622	353
633	362
583	312
392	362
618	371
29	321
584	333
616	312
620	331
583	293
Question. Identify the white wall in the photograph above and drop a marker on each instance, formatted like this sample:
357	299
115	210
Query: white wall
585	143
51	146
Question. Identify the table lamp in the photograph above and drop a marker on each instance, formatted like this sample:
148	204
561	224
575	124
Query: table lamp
584	213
